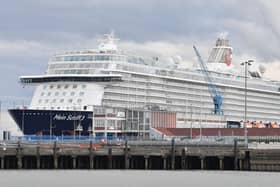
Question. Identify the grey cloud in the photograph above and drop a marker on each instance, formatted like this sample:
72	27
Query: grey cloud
31	30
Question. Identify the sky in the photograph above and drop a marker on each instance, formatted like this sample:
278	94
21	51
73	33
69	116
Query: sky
32	30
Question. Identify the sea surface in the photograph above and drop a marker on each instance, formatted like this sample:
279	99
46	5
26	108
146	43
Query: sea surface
131	178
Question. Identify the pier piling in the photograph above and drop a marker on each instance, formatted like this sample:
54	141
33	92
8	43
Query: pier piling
126	155
110	158
235	155
173	149
183	159
91	155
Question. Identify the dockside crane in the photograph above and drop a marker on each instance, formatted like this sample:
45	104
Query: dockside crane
213	90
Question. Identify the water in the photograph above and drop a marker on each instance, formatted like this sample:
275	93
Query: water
130	178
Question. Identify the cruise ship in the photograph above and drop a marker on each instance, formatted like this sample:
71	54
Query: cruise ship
106	91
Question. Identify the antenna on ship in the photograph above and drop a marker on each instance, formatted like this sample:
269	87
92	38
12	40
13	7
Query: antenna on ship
108	43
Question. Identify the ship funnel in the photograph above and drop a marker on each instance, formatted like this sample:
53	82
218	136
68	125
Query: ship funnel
221	52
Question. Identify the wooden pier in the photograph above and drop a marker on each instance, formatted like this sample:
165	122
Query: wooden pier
160	155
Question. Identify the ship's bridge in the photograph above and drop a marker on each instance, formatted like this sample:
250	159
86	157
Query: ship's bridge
38	79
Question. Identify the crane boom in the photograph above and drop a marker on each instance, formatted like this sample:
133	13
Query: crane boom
213	90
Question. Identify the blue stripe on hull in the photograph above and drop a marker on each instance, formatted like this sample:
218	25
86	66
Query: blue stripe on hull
38	121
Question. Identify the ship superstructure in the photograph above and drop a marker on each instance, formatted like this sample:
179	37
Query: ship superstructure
81	83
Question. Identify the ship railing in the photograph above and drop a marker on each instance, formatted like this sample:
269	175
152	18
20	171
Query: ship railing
138	141
79	144
134	140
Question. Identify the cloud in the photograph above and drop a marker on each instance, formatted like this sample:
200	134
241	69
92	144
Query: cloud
22	47
272	70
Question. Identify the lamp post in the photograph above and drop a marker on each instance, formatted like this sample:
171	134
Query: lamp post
92	126
246	64
90	132
63	132
93	123
191	122
22	121
79	129
0	111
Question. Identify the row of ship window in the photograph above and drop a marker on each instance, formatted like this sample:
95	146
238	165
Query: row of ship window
67	108
45	114
66	86
78	65
72	71
63	94
90	58
61	101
